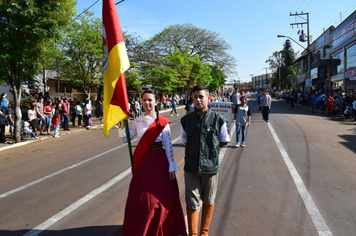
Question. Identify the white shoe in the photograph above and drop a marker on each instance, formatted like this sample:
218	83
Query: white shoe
177	114
56	136
170	115
116	126
237	145
243	144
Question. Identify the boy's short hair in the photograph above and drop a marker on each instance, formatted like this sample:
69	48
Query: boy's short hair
200	87
243	97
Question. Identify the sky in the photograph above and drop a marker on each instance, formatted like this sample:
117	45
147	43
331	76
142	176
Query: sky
249	27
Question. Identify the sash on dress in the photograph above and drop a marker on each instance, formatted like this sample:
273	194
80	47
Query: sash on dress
148	138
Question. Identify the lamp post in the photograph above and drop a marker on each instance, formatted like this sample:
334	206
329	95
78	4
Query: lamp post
308	54
283	36
279	70
251	78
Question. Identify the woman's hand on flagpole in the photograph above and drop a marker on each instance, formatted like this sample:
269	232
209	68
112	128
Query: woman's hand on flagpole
123	122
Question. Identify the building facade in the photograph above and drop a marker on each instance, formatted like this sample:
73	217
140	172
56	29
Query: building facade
262	82
333	59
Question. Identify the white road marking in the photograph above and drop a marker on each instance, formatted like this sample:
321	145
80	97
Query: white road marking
38	229
59	172
54	219
65	169
318	220
65	133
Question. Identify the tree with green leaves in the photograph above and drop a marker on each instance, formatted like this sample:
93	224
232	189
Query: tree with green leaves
283	67
207	45
24	28
191	54
288	70
275	63
82	48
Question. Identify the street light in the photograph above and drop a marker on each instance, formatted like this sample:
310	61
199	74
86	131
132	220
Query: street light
308	53
283	36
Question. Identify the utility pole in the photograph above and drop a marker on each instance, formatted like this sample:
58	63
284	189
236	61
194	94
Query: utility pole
302	39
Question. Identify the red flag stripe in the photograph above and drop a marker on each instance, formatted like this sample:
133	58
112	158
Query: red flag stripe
112	24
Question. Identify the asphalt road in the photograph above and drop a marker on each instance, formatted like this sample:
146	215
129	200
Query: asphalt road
296	176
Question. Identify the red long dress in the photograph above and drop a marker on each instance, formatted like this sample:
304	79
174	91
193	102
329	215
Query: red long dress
153	206
330	104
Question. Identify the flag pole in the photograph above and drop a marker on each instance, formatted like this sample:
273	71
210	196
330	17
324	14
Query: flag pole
129	141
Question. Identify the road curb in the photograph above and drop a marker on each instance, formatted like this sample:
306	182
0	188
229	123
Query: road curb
10	146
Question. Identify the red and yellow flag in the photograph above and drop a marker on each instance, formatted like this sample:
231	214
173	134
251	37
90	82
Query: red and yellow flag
116	62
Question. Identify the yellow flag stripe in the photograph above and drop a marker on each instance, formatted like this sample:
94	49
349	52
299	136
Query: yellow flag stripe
118	63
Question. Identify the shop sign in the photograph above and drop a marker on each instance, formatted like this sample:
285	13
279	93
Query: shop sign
308	83
350	74
345	33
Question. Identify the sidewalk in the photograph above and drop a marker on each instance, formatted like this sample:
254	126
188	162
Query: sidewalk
96	124
339	117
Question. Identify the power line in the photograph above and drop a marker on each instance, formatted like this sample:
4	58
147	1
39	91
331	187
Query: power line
93	5
87	9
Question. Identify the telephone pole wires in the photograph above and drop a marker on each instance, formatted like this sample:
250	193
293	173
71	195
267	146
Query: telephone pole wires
302	39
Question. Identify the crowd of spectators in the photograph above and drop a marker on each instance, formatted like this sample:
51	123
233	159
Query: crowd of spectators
334	103
45	115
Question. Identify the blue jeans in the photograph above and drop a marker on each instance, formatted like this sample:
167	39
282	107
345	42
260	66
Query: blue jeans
48	123
65	122
32	134
56	130
174	108
238	130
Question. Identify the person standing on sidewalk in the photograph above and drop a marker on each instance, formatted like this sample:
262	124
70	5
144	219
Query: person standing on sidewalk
56	122
47	110
79	113
354	108
266	105
330	104
243	120
65	114
73	112
2	127
204	132
313	102
40	115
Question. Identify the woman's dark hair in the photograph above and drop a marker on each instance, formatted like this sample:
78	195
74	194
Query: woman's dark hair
56	111
154	92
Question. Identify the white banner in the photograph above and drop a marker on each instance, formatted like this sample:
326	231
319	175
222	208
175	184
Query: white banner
223	108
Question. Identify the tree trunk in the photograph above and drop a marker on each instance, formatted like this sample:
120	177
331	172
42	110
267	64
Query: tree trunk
44	80
16	92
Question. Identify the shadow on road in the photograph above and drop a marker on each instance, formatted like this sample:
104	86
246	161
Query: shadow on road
85	231
350	141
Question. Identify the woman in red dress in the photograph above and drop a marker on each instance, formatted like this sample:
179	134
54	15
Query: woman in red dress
330	104
153	206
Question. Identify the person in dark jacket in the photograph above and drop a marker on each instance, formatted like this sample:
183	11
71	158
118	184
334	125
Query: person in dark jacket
204	132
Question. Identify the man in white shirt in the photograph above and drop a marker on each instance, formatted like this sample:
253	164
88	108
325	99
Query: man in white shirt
236	101
266	105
